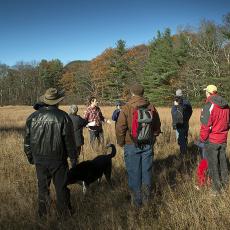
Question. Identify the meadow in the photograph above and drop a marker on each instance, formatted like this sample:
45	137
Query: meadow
175	204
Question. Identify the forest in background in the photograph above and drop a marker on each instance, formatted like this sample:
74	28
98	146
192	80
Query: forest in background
189	59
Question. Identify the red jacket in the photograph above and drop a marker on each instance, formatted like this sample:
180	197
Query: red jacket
215	120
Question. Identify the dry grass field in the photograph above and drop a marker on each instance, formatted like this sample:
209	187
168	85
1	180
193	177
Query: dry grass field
176	204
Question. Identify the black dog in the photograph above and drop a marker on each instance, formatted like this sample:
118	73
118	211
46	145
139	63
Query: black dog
92	170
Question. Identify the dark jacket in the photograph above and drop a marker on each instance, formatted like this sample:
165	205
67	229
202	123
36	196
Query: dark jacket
215	120
78	124
115	114
181	114
49	136
124	122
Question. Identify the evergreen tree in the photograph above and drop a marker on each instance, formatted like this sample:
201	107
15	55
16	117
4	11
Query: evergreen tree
162	66
51	72
121	73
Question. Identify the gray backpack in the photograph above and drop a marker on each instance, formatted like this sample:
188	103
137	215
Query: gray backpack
142	126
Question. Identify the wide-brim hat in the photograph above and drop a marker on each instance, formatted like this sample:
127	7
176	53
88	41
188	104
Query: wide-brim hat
52	96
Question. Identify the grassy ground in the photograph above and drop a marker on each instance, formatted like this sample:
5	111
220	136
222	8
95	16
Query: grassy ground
176	204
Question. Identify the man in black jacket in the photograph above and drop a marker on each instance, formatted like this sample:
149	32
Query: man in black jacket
48	141
181	113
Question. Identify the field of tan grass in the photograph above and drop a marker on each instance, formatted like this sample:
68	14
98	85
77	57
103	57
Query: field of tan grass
176	204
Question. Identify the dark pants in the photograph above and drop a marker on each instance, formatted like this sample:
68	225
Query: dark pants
217	165
57	171
182	138
96	134
78	150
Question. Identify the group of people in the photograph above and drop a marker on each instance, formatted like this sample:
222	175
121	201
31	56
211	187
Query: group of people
52	136
215	124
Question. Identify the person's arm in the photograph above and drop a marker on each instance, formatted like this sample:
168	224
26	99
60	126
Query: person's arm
229	120
101	116
82	122
27	144
121	128
156	122
173	113
69	141
188	107
206	122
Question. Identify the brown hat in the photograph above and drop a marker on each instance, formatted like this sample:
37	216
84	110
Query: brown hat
137	89
52	96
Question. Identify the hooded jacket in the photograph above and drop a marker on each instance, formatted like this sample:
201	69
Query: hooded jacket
215	120
124	123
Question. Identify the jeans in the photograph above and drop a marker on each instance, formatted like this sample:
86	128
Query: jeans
139	163
182	138
57	171
96	134
217	165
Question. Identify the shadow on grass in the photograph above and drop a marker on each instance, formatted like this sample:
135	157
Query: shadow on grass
18	130
166	170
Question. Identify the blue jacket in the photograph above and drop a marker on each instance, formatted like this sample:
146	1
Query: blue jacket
116	114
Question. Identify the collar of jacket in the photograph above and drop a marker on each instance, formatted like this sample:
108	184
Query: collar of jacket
51	107
137	101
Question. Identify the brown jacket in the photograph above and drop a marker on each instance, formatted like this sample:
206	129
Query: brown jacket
124	123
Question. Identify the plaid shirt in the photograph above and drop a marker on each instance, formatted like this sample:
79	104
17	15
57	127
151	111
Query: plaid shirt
94	114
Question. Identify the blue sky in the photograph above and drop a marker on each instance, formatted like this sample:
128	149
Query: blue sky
80	30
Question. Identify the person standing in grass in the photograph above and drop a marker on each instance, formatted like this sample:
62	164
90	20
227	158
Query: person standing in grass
181	113
48	141
78	123
137	127
116	112
95	119
214	133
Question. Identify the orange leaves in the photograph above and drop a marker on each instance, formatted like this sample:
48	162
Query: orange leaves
68	82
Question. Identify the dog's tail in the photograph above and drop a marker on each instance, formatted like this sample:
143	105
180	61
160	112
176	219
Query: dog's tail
114	151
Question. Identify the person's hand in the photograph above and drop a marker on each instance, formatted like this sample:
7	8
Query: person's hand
108	121
176	103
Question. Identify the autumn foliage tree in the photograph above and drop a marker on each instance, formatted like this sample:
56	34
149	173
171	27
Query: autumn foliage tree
188	59
100	72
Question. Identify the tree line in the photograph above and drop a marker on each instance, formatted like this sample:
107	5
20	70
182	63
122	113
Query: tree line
189	59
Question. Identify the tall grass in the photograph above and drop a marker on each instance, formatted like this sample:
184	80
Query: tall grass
176	204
